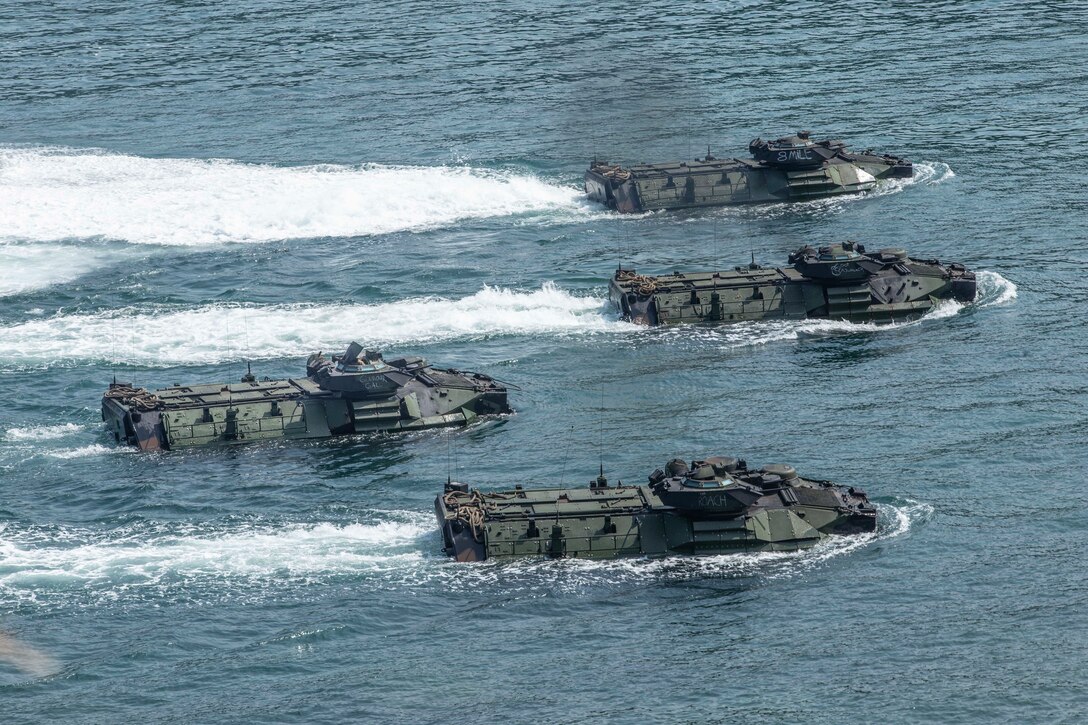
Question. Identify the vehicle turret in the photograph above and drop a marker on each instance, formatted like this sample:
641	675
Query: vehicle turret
706	490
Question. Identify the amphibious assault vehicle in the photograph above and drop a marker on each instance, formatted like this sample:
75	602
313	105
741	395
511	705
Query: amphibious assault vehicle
840	281
794	168
713	506
355	392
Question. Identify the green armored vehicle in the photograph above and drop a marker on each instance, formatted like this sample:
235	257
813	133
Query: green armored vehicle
840	282
355	392
794	168
714	506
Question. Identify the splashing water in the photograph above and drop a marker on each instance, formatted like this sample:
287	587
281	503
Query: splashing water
41	432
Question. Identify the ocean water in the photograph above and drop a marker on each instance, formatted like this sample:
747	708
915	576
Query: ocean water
188	185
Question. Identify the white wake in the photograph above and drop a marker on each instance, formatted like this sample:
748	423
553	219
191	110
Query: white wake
147	554
50	194
218	333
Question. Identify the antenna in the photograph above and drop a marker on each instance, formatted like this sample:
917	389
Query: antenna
717	245
563	471
457	464
132	356
627	239
449	478
230	358
113	327
245	329
600	439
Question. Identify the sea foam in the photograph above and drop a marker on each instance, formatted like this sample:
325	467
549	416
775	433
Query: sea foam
41	432
27	267
214	333
148	553
49	194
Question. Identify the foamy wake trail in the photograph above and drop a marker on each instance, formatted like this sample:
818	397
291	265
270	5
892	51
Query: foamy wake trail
32	267
215	333
43	440
87	451
40	432
50	194
26	267
35	561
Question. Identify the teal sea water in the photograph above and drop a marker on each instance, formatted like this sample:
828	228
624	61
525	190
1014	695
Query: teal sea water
187	185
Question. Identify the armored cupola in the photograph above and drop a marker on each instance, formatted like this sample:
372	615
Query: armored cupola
676	467
703	472
725	464
357	360
892	255
783	471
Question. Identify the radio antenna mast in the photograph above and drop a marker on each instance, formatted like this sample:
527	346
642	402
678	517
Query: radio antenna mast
600	438
563	470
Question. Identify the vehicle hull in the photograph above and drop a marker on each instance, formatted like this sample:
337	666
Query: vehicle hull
605	522
292	409
886	286
719	182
